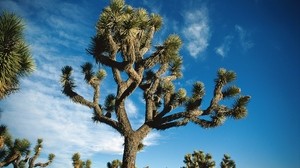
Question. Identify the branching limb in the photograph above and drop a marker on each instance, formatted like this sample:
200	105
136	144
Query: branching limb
68	85
50	160
103	119
168	125
149	38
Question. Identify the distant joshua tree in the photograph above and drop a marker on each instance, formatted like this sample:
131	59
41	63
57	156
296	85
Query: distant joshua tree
17	152
15	58
114	164
201	160
122	44
78	163
227	162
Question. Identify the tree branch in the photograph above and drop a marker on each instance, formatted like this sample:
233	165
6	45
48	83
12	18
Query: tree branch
148	41
168	125
215	100
81	100
152	60
111	63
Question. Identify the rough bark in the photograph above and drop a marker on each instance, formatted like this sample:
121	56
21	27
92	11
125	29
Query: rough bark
131	145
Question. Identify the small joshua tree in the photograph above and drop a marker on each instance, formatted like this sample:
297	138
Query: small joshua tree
17	153
78	163
227	162
114	164
124	36
199	160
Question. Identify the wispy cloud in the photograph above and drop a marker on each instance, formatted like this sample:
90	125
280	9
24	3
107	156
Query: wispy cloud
131	108
197	31
244	37
224	48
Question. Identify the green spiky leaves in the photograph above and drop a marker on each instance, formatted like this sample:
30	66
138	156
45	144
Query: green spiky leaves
171	49
51	157
198	93
231	91
67	81
225	76
239	110
175	67
109	104
168	87
90	76
22	145
15	58
116	6
87	70
123	20
156	21
77	162
98	46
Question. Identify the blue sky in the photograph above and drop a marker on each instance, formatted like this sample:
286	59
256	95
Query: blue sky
258	39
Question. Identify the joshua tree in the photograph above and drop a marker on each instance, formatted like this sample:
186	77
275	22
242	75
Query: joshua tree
124	36
17	153
78	163
227	162
15	58
114	164
199	160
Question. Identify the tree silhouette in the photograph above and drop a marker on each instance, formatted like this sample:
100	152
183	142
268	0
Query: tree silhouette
15	58
122	44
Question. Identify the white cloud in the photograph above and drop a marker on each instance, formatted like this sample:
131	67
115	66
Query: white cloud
224	48
152	139
131	108
197	31
42	112
244	36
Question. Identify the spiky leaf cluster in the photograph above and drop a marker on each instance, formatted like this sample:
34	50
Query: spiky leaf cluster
231	91
126	26
67	81
15	58
78	163
239	108
197	95
224	76
171	50
109	104
90	76
176	66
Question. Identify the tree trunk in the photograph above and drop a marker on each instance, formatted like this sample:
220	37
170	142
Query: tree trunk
130	150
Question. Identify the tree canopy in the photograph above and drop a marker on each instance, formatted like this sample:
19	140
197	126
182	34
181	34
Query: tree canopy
123	44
